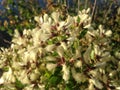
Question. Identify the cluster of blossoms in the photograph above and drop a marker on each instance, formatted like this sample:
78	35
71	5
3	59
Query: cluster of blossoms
59	52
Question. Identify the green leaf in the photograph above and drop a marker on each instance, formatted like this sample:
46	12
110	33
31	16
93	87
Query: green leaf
67	88
83	33
58	70
10	1
70	85
50	42
92	55
5	69
10	31
53	80
54	54
78	19
47	75
19	85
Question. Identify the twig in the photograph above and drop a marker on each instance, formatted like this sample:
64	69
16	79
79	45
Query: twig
6	41
86	4
78	5
93	11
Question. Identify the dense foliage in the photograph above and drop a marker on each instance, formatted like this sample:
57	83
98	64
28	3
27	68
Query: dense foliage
60	47
60	54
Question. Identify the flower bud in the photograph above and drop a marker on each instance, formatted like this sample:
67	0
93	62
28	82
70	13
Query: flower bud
108	33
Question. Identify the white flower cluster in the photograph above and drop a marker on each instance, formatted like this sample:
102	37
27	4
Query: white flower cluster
72	44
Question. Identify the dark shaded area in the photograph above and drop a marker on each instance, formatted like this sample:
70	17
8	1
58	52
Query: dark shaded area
5	39
1	72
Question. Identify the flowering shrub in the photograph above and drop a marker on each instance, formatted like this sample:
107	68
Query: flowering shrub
60	54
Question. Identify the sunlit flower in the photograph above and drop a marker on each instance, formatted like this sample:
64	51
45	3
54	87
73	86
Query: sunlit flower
77	53
108	33
112	73
101	30
41	20
50	58
66	72
19	41
97	83
97	50
87	54
50	48
29	87
55	16
94	73
36	18
60	51
39	36
100	64
63	48
91	87
33	55
79	77
71	39
118	11
18	64
24	78
40	51
63	44
61	25
26	32
78	64
8	76
46	27
88	27
117	88
85	11
1	81
26	57
83	17
17	34
69	21
34	76
42	87
44	37
51	66
45	17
